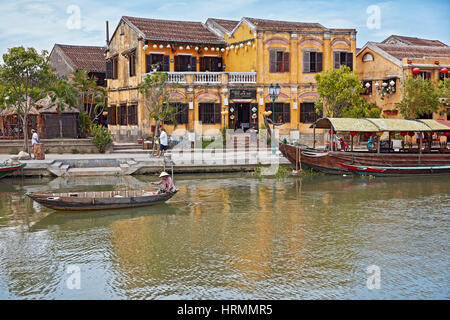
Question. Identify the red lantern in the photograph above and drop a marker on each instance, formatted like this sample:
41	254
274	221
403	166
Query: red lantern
416	70
353	133
444	70
368	134
411	134
447	133
329	131
403	133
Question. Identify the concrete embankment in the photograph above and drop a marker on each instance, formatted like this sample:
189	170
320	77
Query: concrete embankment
191	161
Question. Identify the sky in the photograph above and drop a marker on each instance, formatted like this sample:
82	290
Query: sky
42	23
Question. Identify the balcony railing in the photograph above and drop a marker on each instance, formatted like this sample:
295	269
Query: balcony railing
242	77
207	77
210	77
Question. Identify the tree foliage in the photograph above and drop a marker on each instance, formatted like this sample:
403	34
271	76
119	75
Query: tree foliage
339	95
420	97
156	91
63	94
92	98
101	137
25	75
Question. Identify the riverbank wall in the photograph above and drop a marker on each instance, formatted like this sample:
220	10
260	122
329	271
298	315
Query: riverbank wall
191	161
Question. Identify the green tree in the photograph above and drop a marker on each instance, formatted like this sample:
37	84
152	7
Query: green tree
339	94
63	94
24	75
444	94
420	97
101	137
92	98
156	90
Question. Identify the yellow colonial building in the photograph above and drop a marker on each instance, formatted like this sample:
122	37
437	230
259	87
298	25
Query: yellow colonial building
383	67
223	69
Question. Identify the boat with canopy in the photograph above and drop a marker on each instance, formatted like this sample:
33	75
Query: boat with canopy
406	160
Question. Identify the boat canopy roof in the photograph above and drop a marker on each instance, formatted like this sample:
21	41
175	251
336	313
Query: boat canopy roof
380	125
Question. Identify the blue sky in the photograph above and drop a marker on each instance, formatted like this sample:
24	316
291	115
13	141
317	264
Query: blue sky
41	23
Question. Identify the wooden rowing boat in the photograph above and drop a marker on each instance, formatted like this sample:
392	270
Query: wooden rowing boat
6	169
100	200
373	170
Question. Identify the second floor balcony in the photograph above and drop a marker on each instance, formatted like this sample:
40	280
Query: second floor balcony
214	78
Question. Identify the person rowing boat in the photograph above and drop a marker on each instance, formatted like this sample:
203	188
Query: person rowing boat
166	183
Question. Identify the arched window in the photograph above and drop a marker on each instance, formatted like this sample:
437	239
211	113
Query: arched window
367	57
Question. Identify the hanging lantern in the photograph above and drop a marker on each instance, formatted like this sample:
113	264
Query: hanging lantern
187	47
161	46
222	49
181	47
444	70
249	43
196	48
353	133
411	134
241	45
212	49
379	133
168	46
217	49
403	133
228	48
416	70
155	46
368	134
206	48
447	133
232	46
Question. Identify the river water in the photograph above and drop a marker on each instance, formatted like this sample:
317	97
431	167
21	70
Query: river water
312	237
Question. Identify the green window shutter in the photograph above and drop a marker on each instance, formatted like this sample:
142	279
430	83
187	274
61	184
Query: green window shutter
319	61
306	61
336	60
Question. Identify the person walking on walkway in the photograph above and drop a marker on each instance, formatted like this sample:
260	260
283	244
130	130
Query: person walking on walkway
34	139
163	142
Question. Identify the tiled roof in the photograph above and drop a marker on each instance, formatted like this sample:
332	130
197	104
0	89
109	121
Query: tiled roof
414	41
228	25
401	52
171	30
85	57
262	24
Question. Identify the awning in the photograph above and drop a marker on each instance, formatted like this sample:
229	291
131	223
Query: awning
379	125
437	125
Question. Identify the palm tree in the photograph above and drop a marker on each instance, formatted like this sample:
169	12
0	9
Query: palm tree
88	91
63	93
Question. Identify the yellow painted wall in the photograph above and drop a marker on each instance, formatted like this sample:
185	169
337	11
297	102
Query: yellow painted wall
382	68
241	59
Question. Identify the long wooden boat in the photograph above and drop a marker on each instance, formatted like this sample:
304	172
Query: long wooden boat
381	171
6	169
328	161
405	163
100	200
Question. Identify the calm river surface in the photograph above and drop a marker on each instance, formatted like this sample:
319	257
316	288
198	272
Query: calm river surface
297	238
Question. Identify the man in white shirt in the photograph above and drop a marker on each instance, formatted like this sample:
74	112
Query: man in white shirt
163	142
34	138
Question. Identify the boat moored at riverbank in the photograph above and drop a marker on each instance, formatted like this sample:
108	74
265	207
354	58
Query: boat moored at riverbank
423	160
6	169
75	201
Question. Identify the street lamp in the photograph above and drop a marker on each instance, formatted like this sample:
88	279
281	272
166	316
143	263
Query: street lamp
274	92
